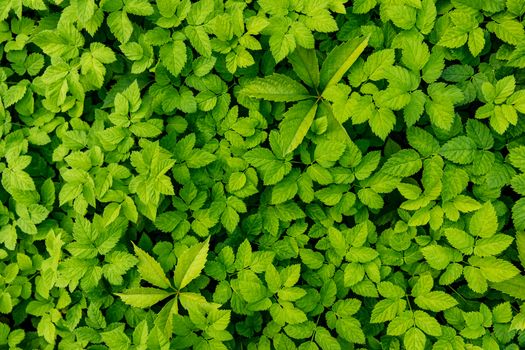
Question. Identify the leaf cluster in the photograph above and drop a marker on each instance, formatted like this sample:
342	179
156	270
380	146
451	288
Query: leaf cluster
262	174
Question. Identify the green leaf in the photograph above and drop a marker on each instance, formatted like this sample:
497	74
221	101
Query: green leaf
518	214
507	29
493	245
363	6
520	245
399	325
427	323
403	163
328	152
385	310
350	330
138	7
377	63
459	150
173	56
476	41
150	270
475	279
199	39
435	301
484	222
514	287
460	240
325	340
453	37
339	60
272	169
116	339
382	122
190	264
414	339
275	87
120	25
304	63
438	257
494	269
143	297
296	123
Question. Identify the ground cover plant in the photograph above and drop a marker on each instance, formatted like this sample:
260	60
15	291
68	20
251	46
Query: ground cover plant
270	174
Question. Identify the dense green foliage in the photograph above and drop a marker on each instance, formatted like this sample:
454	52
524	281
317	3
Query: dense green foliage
270	174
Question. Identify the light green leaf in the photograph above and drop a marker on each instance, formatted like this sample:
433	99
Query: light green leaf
453	37
427	323
350	329
385	310
190	264
438	257
476	41
304	63
382	122
435	301
520	244
399	325
404	163
150	270
484	222
276	87
414	339
460	240
493	245
339	60
143	297
494	269
173	56
459	150
296	123
120	25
